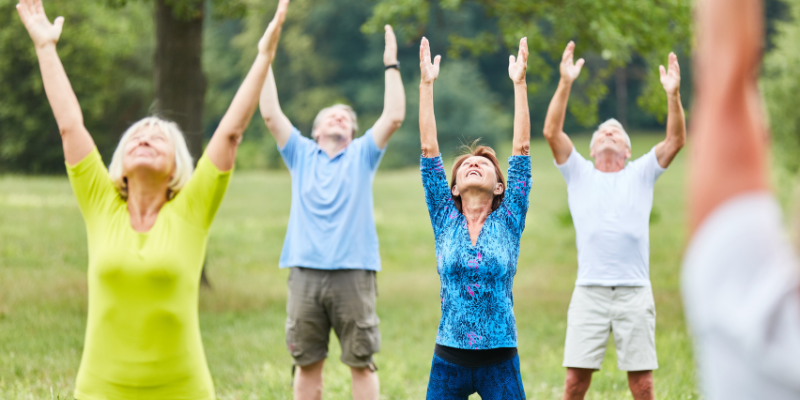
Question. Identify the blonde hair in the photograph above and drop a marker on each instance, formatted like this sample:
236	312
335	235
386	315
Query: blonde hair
345	107
184	165
610	122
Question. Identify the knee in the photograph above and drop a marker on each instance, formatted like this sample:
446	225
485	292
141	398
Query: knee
578	382
313	369
640	381
362	372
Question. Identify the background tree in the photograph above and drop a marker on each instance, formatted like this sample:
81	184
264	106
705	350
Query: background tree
107	54
609	35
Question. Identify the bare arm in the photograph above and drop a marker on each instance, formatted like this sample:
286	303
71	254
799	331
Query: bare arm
75	138
729	132
676	121
222	147
427	121
521	144
559	142
277	122
394	102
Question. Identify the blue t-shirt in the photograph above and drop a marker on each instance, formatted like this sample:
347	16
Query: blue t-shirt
331	224
477	281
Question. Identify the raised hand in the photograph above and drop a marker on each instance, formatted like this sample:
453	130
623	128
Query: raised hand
429	71
268	44
569	69
43	33
517	68
390	52
671	78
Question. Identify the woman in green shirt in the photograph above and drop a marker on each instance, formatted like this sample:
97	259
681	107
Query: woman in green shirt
147	221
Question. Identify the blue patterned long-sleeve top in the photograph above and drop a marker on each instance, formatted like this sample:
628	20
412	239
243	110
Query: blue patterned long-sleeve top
477	281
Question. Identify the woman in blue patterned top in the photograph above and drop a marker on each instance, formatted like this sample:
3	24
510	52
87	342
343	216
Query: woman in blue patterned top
477	222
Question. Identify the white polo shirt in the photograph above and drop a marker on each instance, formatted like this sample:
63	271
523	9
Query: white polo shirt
741	294
611	214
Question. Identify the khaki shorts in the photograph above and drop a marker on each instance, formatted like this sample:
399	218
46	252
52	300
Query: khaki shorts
340	299
596	311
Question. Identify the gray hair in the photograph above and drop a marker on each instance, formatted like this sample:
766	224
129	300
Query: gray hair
610	122
184	166
344	107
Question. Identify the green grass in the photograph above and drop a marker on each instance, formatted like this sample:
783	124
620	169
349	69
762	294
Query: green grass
43	288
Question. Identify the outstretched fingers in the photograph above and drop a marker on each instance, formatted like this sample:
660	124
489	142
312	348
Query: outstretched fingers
280	14
22	10
568	52
523	50
425	51
436	61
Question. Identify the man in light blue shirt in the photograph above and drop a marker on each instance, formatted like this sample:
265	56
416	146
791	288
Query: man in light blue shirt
331	242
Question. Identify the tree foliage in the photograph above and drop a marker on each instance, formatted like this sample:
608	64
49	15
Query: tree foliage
107	55
608	33
781	87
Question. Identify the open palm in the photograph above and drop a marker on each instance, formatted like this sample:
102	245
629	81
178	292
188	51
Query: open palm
268	44
429	71
517	67
570	69
31	12
671	78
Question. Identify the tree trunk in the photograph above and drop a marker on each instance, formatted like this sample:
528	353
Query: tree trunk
180	82
622	96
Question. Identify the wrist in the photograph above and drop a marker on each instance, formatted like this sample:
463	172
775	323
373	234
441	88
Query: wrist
566	82
521	85
45	46
674	95
424	84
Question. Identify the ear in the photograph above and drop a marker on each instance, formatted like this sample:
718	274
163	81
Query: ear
498	189
591	152
454	191
628	153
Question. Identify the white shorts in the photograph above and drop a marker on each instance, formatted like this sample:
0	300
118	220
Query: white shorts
596	311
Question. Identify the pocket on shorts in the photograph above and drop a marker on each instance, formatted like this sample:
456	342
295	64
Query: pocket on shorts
293	342
367	338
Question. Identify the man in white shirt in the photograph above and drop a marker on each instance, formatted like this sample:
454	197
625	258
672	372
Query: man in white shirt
610	202
741	277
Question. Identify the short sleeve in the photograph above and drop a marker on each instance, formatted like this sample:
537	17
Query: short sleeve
574	167
440	203
515	202
369	152
294	148
741	286
92	186
199	200
648	168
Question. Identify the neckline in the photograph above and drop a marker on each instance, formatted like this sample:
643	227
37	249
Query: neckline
152	228
465	228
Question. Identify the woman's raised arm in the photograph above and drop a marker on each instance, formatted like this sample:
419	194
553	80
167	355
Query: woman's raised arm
222	147
521	144
427	121
75	138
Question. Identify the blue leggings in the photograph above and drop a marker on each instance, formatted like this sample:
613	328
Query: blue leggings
500	381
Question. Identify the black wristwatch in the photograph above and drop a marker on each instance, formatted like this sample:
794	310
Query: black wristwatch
395	66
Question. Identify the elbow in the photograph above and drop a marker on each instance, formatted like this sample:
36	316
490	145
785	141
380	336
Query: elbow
547	132
428	150
396	122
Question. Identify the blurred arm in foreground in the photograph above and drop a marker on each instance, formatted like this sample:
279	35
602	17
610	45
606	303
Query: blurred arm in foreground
741	281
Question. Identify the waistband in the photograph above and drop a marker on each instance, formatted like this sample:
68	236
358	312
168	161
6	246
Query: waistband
474	358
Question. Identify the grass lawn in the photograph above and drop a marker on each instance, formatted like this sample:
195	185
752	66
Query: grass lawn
43	288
